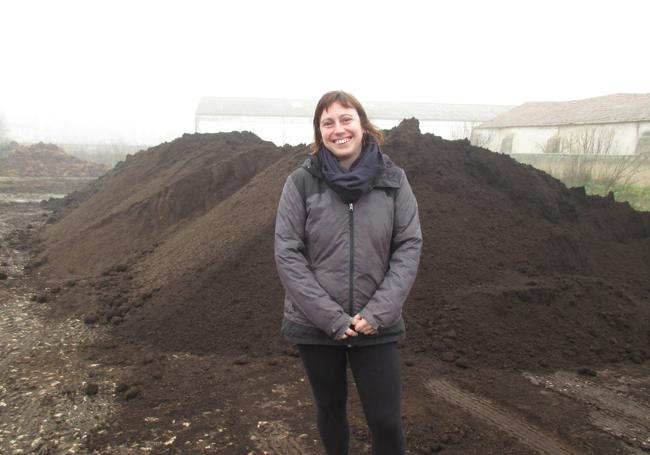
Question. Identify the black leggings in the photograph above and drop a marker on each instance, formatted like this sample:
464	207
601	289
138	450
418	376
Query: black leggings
376	372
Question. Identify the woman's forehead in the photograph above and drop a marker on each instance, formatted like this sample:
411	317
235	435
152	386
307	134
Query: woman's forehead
336	109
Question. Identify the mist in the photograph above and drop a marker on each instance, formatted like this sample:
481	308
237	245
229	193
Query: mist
118	72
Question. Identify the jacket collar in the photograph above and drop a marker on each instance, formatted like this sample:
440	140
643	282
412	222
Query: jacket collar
388	176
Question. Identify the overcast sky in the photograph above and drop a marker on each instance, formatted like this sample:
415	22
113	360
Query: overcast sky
133	71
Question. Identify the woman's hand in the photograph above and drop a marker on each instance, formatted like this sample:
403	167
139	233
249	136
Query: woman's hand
362	326
358	325
349	333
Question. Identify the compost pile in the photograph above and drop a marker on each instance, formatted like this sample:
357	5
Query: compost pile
174	248
44	160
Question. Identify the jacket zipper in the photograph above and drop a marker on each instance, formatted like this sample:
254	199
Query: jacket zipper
351	280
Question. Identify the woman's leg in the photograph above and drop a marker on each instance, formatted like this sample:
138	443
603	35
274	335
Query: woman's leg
326	368
376	371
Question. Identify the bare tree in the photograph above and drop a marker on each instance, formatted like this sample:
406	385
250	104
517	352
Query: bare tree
593	157
3	131
591	142
463	131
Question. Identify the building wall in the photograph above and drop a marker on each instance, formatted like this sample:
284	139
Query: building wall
297	130
278	130
536	139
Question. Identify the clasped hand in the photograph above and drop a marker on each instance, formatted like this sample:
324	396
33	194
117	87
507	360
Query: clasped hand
360	326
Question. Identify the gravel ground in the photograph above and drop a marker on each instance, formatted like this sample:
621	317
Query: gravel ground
49	397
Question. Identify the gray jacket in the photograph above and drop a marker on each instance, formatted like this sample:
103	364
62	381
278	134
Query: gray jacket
336	259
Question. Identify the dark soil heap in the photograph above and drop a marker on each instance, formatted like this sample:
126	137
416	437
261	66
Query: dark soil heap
44	160
175	248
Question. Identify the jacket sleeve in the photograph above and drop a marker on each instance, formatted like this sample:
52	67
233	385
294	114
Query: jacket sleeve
385	307
298	280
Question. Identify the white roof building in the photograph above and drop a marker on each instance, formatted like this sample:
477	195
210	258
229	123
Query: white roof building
554	127
289	120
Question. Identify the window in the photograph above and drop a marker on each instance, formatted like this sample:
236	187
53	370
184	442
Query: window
506	144
553	144
643	146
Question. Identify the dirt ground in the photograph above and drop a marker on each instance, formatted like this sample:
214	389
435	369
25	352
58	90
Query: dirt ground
94	366
62	390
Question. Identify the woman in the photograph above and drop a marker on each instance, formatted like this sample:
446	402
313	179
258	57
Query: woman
347	247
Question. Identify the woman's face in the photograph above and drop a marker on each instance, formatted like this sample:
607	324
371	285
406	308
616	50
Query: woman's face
342	133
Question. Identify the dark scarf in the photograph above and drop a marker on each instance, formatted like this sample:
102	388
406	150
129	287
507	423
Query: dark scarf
353	183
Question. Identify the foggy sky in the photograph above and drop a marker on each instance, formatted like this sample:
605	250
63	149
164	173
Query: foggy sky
120	71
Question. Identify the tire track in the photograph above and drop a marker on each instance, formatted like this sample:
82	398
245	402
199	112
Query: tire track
504	420
570	385
613	412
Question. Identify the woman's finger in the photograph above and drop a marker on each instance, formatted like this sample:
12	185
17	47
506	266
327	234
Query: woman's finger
362	326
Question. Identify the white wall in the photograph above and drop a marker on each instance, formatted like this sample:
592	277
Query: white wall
624	140
534	139
296	130
275	129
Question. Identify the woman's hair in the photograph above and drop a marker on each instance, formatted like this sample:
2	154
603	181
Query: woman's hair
348	101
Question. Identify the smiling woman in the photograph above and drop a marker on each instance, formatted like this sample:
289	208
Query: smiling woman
347	248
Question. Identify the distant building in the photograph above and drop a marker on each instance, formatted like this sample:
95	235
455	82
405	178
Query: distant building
285	121
608	125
